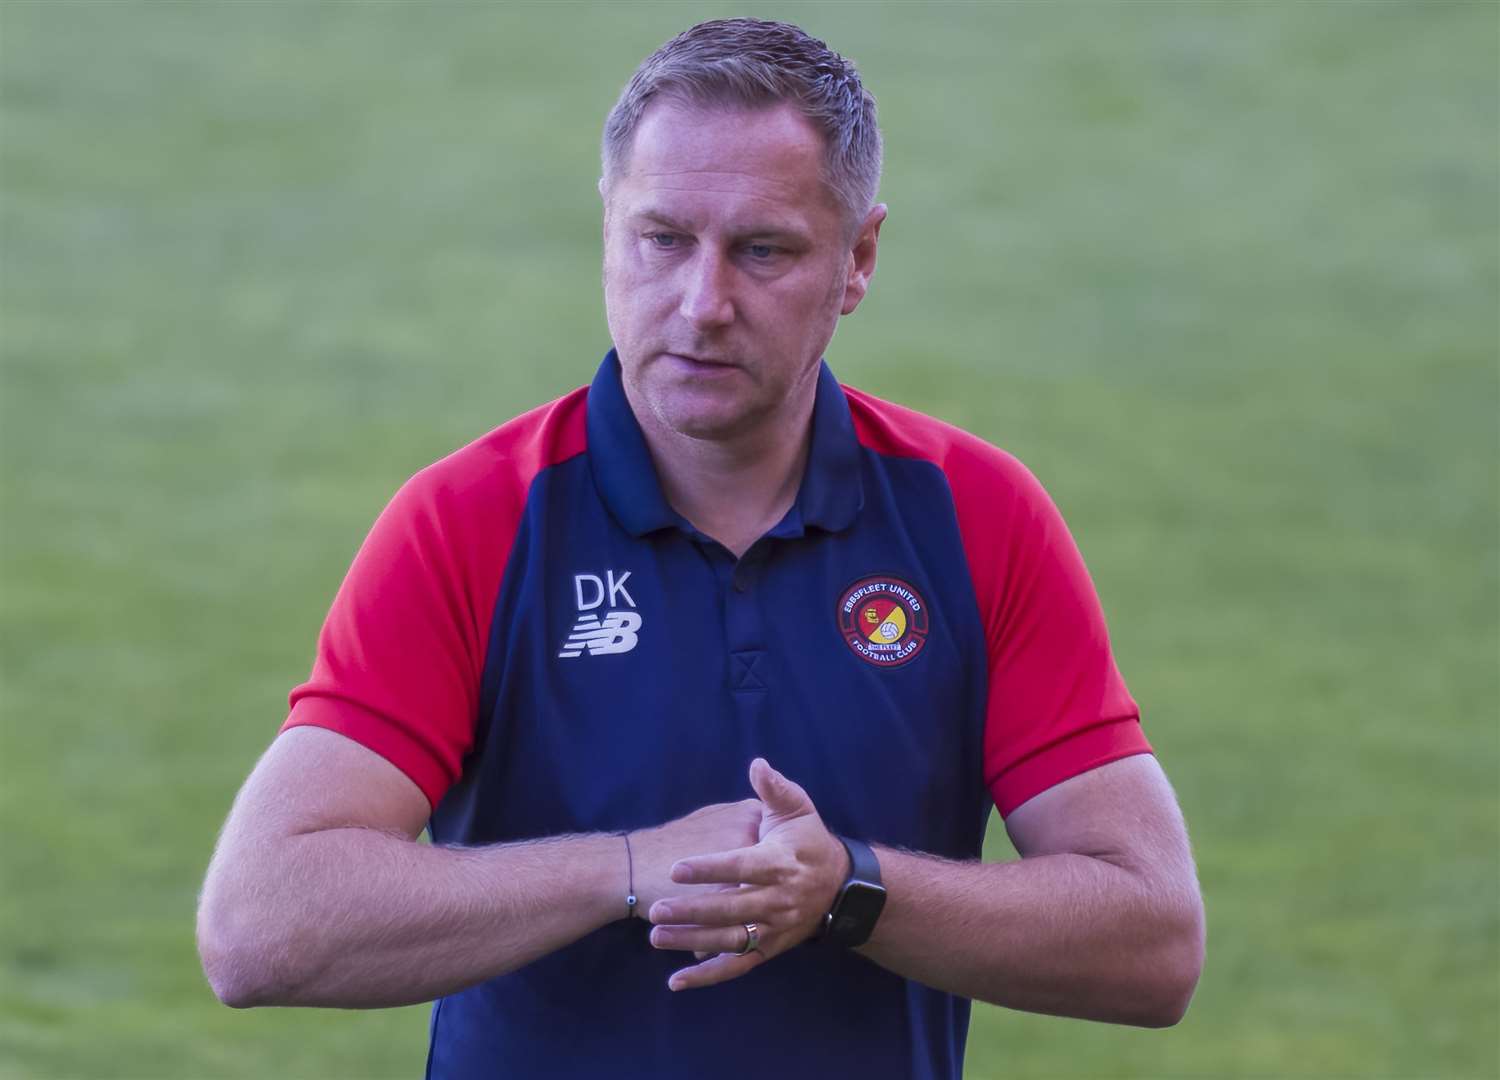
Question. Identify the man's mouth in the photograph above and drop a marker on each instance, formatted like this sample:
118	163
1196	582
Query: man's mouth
701	361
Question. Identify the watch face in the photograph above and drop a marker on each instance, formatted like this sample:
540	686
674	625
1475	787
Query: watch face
857	911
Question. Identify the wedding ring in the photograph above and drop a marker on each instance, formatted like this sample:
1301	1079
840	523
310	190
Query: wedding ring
752	939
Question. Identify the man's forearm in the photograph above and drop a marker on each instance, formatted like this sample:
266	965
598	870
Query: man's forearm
358	918
1066	934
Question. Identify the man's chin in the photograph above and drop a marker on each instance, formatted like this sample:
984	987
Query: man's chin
721	422
711	428
716	410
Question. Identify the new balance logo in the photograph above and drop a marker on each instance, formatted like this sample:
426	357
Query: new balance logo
613	631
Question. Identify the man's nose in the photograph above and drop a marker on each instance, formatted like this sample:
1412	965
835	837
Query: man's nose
707	296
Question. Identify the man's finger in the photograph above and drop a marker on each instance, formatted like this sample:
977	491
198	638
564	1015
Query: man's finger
782	797
743	866
711	909
701	939
714	970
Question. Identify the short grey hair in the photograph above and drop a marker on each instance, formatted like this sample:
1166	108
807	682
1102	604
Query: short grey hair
751	63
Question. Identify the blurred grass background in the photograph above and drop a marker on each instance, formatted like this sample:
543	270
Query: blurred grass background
1225	276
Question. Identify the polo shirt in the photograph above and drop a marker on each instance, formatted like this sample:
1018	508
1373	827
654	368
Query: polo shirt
544	646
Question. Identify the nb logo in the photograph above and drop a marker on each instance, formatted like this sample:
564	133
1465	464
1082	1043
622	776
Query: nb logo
613	633
599	633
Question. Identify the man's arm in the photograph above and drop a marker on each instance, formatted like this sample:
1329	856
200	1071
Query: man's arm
320	894
1101	917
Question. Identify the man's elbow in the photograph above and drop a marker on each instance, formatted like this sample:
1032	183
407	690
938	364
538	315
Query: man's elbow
237	957
228	963
1167	1004
231	984
1175	973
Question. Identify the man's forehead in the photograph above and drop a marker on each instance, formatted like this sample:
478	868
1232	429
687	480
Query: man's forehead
686	160
693	124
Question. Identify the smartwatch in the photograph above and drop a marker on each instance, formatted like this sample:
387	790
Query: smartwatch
860	901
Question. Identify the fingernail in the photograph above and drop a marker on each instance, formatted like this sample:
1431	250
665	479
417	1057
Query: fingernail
661	913
682	872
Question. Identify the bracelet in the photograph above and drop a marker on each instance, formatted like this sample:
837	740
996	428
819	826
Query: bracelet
630	891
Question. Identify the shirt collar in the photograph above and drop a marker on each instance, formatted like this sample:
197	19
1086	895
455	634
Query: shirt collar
830	496
832	493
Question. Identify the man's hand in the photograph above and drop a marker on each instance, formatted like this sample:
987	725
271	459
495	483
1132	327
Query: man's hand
656	851
784	883
320	895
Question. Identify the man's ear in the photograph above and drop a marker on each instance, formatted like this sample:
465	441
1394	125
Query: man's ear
604	200
862	258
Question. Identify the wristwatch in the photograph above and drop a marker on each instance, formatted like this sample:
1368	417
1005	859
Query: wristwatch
860	900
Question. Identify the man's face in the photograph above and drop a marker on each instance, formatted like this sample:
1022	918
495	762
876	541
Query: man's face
726	266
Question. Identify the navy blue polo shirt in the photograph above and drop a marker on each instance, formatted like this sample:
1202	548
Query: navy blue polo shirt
544	646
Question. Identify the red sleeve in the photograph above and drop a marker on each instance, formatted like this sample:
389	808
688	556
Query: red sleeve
402	652
1057	704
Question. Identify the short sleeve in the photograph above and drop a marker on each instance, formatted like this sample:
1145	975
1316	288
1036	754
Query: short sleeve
401	652
1057	705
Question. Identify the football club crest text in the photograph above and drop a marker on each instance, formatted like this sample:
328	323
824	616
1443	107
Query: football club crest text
883	620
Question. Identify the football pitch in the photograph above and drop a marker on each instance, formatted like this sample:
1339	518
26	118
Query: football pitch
1224	276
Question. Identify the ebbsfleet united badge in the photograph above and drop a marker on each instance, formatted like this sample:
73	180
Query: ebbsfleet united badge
883	620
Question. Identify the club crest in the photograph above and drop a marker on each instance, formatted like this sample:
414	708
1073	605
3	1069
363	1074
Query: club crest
883	620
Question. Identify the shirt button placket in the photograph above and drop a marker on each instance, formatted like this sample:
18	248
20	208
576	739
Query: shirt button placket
745	634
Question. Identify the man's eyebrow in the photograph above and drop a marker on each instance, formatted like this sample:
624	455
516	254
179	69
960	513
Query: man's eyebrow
662	218
768	229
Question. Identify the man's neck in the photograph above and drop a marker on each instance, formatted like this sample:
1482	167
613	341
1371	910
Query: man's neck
734	490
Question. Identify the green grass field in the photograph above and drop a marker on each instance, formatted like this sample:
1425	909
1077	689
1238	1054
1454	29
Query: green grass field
1225	276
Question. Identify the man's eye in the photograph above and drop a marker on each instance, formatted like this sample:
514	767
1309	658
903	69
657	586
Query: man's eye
664	241
760	251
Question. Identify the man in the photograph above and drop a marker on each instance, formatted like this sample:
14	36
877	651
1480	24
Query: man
560	648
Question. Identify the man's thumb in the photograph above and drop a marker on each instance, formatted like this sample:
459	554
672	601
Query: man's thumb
780	795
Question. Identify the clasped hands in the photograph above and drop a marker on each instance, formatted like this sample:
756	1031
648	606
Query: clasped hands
782	874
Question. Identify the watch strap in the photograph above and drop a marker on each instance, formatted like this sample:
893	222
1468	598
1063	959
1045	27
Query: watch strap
863	865
859	901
